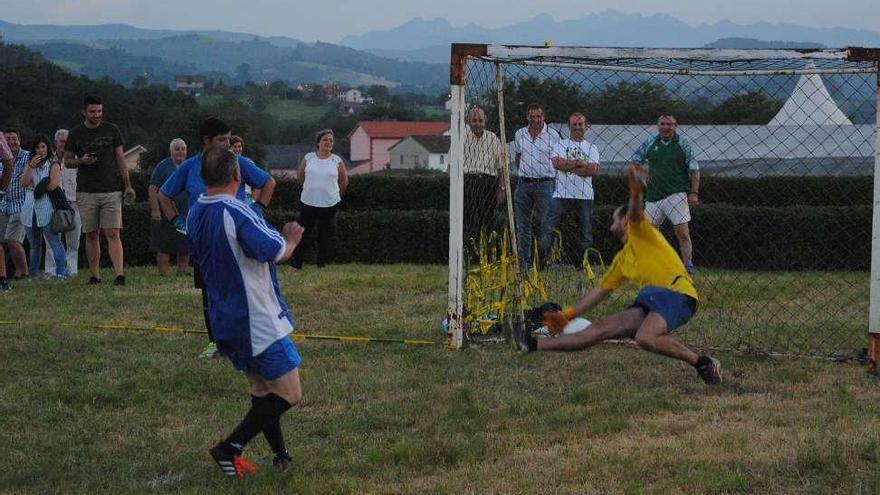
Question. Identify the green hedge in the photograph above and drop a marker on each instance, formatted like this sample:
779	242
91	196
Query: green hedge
794	238
815	238
431	192
382	236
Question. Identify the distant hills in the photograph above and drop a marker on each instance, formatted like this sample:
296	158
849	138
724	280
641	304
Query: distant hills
124	52
753	44
32	33
423	39
414	55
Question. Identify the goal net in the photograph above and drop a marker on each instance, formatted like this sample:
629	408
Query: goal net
772	203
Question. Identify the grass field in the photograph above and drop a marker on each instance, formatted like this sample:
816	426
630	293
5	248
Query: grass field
103	411
297	110
285	110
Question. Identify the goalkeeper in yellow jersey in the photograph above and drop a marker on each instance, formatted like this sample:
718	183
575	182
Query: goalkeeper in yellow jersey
667	297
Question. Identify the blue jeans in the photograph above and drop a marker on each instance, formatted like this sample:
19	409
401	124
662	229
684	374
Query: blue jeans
532	199
584	210
35	239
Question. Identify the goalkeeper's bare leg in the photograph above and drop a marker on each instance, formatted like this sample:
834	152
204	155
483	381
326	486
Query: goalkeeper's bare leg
621	325
654	336
649	331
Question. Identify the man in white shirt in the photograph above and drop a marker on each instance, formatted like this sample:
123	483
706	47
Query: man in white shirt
482	191
576	161
534	146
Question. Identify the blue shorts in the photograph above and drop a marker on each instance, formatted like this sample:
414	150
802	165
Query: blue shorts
674	307
276	361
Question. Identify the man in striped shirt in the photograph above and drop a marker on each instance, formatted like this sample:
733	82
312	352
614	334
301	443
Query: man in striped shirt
11	228
251	323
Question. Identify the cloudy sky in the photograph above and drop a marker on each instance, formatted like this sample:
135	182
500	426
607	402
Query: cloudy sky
331	20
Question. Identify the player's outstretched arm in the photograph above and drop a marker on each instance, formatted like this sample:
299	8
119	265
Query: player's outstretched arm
637	178
556	320
590	300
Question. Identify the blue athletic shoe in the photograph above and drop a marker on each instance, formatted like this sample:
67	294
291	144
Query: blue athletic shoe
689	267
180	225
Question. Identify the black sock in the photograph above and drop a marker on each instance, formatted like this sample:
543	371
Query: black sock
531	341
272	431
206	315
701	361
264	411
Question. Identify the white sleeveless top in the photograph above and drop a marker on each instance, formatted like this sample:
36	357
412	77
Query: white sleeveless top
321	188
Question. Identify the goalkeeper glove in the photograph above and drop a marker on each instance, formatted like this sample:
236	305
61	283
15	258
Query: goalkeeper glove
557	320
637	177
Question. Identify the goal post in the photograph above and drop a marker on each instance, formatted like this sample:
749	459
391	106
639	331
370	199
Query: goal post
874	307
785	141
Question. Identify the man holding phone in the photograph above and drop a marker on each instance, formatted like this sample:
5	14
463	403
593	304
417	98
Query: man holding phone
95	149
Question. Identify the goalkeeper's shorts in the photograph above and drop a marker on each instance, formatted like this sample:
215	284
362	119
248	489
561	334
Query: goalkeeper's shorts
674	307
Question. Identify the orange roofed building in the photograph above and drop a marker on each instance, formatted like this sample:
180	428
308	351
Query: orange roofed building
370	141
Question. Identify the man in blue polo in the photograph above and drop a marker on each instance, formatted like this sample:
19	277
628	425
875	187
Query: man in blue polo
674	186
187	179
237	252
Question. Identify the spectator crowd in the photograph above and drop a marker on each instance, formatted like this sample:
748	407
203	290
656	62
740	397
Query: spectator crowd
554	175
57	191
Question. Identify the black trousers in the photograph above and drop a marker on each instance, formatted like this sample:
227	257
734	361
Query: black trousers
320	222
479	206
199	283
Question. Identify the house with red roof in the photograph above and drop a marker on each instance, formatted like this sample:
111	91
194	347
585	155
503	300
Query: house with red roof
370	141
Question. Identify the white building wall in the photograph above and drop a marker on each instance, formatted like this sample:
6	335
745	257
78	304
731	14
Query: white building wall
438	161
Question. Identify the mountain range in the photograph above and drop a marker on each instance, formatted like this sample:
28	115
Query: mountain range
428	40
414	55
123	52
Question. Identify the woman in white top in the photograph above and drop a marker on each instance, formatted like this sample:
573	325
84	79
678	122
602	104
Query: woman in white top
323	179
36	212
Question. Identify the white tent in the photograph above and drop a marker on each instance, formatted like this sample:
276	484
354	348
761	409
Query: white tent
810	104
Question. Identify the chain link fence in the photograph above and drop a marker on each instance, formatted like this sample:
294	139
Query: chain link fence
780	229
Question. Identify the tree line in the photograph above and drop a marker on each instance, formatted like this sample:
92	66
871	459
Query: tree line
624	102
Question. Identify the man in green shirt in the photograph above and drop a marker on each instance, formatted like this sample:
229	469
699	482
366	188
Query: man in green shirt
674	186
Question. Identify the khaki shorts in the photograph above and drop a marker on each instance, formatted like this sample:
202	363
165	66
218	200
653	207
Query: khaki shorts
673	207
100	210
11	228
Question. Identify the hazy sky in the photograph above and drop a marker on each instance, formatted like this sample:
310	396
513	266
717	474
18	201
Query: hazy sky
329	20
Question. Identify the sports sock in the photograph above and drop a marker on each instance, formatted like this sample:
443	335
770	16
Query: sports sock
263	411
272	430
206	314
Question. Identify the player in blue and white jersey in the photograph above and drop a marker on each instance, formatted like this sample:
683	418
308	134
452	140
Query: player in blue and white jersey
187	178
251	322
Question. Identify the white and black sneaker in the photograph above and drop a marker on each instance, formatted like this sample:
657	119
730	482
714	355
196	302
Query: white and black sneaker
282	461
709	370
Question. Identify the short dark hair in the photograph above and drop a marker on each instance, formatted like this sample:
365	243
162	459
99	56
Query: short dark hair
11	130
91	100
41	138
320	135
212	126
234	139
535	106
218	166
